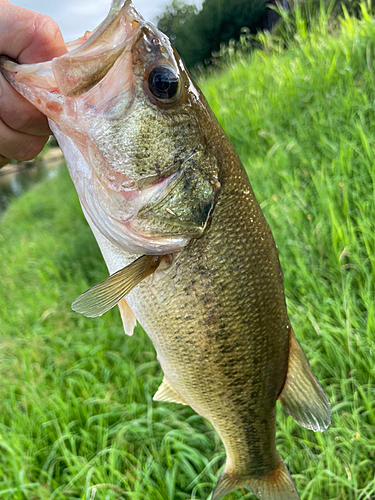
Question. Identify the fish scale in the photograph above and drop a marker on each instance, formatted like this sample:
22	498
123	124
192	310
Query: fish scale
190	253
225	280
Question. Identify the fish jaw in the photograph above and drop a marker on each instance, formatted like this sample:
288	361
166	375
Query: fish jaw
101	110
87	61
52	85
121	234
85	66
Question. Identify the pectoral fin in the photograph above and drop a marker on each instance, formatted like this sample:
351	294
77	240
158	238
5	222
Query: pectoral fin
168	394
128	319
103	296
302	395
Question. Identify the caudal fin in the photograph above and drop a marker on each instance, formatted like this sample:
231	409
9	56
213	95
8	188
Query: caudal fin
276	485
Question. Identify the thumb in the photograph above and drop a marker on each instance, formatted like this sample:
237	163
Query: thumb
28	36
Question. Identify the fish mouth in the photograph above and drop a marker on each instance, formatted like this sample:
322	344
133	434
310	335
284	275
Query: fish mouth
117	216
88	59
129	197
160	213
83	67
169	172
153	209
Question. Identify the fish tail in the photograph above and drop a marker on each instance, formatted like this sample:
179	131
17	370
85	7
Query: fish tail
276	485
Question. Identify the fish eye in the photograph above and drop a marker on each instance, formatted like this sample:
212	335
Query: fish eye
163	83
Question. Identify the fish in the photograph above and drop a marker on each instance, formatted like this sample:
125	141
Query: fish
188	249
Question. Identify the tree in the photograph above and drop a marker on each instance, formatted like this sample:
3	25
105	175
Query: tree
174	17
197	34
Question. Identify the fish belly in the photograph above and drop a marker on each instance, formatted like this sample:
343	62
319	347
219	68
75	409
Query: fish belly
218	321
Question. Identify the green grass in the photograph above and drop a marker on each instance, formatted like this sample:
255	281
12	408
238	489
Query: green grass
77	419
303	122
76	411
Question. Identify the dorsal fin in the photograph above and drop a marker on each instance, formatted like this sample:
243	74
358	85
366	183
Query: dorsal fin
302	395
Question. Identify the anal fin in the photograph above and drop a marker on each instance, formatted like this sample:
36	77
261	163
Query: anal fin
276	485
302	395
128	319
168	394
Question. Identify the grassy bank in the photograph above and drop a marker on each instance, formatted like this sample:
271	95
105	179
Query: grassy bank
77	419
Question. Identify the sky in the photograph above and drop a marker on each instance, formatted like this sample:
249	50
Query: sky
77	16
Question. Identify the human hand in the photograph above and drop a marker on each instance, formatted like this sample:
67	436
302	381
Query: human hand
29	38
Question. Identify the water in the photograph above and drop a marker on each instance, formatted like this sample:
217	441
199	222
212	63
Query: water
13	185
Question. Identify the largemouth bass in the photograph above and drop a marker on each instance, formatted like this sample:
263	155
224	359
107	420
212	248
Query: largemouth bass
183	237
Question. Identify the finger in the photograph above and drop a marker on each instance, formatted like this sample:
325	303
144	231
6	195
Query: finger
28	36
18	145
18	113
3	161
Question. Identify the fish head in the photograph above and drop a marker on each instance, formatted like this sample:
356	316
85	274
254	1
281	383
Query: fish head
134	129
